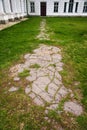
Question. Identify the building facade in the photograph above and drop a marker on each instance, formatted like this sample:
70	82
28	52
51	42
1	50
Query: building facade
57	7
14	9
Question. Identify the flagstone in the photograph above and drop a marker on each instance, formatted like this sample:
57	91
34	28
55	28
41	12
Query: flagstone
57	75
13	89
73	107
53	106
55	50
16	78
32	77
43	80
27	89
45	96
27	56
38	101
56	58
63	91
51	91
53	86
46	86
57	82
36	89
32	95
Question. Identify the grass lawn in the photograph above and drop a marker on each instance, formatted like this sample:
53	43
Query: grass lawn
17	111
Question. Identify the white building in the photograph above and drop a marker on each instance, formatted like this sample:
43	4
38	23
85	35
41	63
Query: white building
57	7
11	9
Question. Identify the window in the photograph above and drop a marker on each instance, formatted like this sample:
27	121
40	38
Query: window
65	6
85	7
56	6
76	8
11	5
71	3
32	6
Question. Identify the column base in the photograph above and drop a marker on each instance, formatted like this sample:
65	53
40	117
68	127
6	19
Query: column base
3	21
3	18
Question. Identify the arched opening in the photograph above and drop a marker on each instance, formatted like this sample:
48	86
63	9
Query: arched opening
71	3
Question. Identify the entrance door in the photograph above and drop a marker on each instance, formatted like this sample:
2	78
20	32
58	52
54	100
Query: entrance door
43	8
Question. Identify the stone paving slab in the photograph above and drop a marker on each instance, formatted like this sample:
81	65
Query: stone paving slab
27	89
13	89
45	81
38	101
73	107
46	97
16	78
32	95
43	31
53	107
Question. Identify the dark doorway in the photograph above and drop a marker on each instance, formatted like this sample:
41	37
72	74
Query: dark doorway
43	8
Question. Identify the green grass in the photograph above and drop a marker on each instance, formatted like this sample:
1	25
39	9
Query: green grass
53	114
25	73
35	66
82	120
17	40
46	88
19	111
52	65
70	34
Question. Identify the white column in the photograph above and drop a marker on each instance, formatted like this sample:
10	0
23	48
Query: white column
29	8
7	6
3	15
21	5
14	6
24	6
80	7
61	7
74	6
67	7
1	7
18	8
23	9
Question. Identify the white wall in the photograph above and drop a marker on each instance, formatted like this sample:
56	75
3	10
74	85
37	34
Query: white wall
50	8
